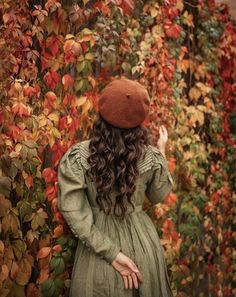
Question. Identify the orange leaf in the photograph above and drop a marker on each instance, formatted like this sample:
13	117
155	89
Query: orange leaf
1	246
58	231
50	100
24	272
44	274
171	199
43	252
54	205
67	81
14	270
71	49
21	109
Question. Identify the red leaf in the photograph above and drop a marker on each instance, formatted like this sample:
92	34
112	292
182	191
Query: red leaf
14	132
57	248
126	5
51	192
53	43
171	12
168	71
52	78
49	175
172	30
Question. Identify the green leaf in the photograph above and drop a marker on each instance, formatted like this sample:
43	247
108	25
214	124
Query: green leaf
58	265
89	56
48	288
79	85
80	66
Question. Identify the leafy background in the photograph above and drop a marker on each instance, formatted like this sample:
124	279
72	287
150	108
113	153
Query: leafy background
55	57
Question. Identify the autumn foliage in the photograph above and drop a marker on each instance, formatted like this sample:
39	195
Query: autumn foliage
55	57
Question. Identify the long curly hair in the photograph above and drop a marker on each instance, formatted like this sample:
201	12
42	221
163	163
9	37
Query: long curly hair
114	153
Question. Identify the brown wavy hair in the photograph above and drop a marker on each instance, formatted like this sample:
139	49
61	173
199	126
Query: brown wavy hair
114	153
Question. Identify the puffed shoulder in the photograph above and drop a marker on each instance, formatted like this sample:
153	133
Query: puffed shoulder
76	156
154	159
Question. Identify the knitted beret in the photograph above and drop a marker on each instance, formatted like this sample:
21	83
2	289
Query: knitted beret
124	103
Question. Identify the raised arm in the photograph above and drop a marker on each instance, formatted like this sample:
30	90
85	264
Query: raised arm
160	183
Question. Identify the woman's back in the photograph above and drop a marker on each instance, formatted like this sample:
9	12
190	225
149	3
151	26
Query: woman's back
106	235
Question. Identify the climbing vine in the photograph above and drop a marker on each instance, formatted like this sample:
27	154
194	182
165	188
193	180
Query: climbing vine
55	57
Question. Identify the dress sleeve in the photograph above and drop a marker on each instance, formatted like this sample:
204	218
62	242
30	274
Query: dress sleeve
161	182
75	208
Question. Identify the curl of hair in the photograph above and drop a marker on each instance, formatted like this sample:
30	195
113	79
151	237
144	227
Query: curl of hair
114	153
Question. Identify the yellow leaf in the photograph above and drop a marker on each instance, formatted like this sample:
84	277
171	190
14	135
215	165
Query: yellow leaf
153	11
18	147
86	107
51	140
188	19
55	132
53	117
86	31
92	81
81	100
202	108
196	115
203	88
183	65
200	71
13	154
69	36
179	5
188	155
42	121
209	104
194	93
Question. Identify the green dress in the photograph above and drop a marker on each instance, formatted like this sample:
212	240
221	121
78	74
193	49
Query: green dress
102	237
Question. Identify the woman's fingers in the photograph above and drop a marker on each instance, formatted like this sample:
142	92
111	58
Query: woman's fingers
134	277
130	282
139	275
125	281
134	268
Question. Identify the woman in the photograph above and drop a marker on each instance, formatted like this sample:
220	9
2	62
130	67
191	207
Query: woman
102	186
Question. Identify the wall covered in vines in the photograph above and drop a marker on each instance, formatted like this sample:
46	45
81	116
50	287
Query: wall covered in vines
55	57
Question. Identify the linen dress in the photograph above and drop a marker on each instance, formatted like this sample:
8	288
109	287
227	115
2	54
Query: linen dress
101	237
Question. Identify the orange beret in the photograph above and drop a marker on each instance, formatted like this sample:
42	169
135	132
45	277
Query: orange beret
124	103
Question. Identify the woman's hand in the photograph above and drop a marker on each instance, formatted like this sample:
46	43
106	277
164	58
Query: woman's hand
128	270
161	143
